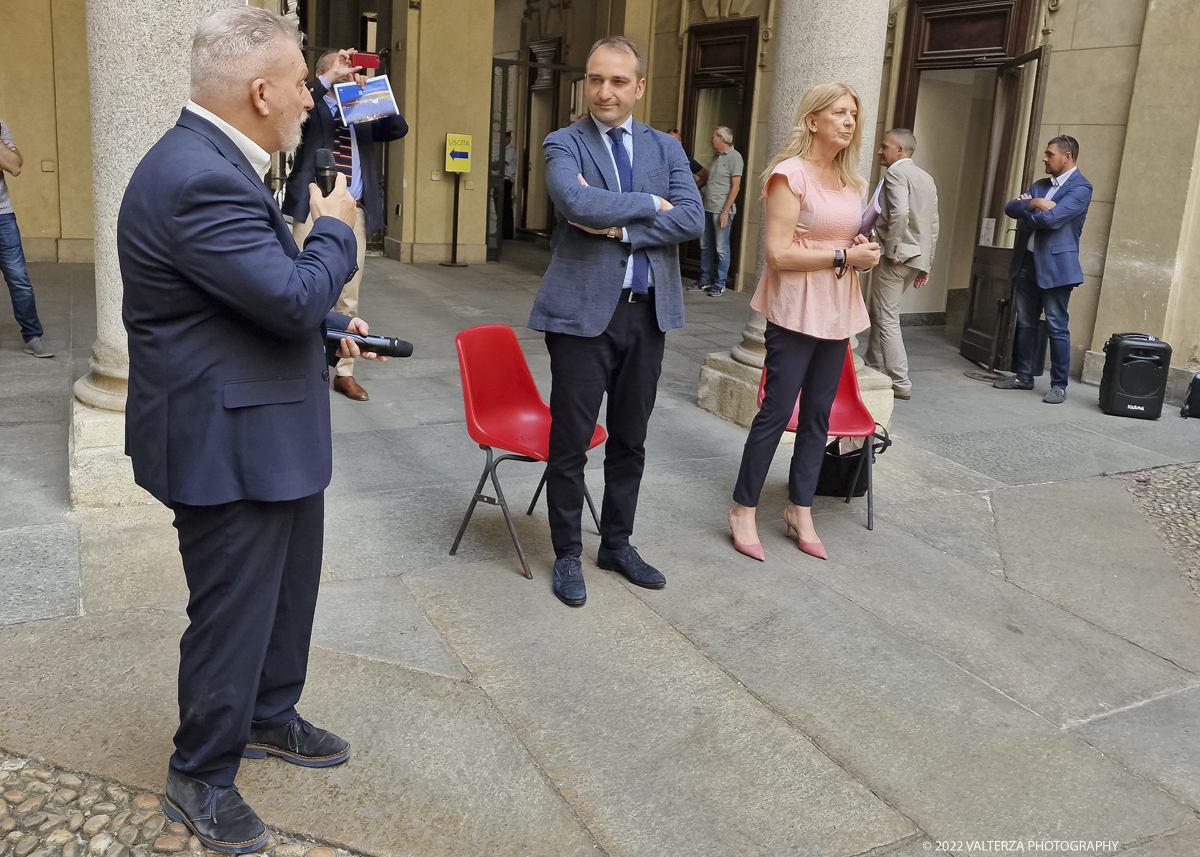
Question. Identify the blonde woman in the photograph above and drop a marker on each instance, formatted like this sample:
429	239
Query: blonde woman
810	296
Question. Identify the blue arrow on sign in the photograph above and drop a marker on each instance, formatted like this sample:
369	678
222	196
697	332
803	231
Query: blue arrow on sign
455	153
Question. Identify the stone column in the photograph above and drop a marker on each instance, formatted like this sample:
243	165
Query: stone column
138	62
1152	269
819	41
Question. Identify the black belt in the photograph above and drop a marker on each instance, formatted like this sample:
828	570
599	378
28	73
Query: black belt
631	297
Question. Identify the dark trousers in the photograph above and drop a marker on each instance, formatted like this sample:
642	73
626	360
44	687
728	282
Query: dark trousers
252	571
794	361
625	362
1031	301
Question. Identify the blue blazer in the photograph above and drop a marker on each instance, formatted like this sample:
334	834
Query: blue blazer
581	287
228	394
1056	232
320	132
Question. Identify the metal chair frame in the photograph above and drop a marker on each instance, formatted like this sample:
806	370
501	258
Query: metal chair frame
489	471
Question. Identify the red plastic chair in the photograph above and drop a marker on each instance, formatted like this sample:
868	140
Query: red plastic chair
848	417
505	412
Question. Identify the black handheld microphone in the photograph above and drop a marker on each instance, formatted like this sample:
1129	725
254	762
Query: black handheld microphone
326	171
385	346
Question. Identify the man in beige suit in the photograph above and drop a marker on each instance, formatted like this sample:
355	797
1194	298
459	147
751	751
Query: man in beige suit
907	228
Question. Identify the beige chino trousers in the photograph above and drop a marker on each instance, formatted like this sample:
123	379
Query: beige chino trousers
885	346
348	302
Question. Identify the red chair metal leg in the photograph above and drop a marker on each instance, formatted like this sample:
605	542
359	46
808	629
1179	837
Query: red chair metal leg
587	495
869	451
498	500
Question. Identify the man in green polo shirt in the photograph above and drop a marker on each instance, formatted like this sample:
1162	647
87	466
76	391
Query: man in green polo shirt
724	182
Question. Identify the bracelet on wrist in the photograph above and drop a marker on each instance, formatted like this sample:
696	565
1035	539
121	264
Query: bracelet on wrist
840	263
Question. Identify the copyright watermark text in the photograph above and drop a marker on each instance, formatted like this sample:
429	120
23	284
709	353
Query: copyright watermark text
1022	846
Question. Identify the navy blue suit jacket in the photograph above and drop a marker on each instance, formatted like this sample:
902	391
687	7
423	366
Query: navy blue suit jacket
228	394
581	287
1055	232
320	132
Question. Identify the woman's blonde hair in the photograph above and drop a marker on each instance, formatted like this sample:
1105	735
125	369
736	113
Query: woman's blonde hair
799	141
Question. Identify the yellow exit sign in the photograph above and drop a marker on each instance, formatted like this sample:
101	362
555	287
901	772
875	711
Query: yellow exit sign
458	153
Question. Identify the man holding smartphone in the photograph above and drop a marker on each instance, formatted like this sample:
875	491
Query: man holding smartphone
353	148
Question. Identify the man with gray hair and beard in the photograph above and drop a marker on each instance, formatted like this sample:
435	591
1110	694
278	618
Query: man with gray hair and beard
227	420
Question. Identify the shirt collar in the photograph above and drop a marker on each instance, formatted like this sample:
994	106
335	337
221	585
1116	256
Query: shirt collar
259	158
1061	180
902	160
604	129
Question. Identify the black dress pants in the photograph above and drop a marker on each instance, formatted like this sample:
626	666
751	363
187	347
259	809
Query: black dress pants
625	362
252	570
794	361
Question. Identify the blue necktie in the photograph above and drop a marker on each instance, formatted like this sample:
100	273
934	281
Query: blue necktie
641	262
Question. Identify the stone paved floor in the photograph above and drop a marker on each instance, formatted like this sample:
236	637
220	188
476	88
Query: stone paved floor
1013	652
47	811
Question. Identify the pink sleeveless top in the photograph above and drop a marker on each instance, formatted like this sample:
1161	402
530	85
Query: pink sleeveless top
816	303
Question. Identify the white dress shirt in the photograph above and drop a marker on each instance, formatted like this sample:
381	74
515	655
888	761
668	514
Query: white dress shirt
1055	183
627	142
355	185
259	158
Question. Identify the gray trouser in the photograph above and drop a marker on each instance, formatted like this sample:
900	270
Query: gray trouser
885	347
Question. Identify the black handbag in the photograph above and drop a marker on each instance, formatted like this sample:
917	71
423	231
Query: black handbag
841	471
1191	400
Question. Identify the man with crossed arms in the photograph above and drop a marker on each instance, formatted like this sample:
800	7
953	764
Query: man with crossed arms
625	199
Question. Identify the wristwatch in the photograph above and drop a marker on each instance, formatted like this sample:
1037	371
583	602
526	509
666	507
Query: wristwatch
614	232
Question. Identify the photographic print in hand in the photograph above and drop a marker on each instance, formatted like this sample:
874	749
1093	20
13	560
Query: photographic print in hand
366	103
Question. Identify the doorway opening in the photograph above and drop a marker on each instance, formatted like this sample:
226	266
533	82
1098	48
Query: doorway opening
972	92
526	104
719	90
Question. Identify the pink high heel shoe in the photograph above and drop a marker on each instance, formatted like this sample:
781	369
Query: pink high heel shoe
754	551
811	548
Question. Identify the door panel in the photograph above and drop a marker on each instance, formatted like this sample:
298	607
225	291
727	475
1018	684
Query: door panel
1012	157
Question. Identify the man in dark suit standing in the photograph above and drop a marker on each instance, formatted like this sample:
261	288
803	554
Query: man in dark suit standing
227	420
1045	265
353	148
625	199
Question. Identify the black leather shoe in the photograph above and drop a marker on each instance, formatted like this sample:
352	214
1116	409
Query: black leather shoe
568	581
218	815
298	742
636	570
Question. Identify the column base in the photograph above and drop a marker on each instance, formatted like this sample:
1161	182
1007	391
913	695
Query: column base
729	389
101	475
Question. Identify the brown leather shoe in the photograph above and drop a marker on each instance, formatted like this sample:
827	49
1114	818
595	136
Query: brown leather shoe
348	387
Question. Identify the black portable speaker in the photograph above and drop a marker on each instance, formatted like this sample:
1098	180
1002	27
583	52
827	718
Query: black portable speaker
1134	382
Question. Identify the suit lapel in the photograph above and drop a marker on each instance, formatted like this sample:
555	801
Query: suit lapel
225	146
643	160
586	127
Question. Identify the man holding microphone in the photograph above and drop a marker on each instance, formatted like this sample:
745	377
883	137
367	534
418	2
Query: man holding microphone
227	420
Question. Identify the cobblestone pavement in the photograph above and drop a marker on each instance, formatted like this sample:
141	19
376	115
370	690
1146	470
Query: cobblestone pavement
49	812
1170	497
